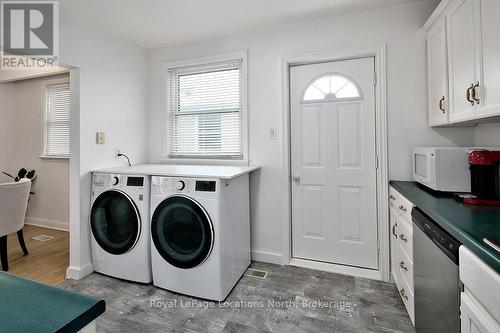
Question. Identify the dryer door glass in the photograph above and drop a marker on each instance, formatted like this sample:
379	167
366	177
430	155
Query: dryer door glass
182	232
115	222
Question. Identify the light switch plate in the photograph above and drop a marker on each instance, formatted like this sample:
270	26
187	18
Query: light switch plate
100	138
272	133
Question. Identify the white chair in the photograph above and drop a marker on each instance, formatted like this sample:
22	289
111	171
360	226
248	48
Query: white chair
13	205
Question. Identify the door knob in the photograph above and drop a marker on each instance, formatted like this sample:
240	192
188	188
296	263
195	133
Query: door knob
296	177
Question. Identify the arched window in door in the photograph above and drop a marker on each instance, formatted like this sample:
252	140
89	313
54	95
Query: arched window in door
331	87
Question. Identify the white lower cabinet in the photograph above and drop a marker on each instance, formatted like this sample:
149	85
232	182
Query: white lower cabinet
402	248
473	317
480	300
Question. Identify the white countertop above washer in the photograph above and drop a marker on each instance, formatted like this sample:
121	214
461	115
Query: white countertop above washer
176	170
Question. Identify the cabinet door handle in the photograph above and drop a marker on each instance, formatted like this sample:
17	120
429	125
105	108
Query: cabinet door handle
402	208
403	238
403	293
441	104
475	94
394	230
468	95
392	197
403	266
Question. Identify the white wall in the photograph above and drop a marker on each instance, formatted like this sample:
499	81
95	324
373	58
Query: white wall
112	79
7	116
399	27
488	135
49	207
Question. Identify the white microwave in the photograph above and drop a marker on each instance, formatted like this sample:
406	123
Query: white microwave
442	168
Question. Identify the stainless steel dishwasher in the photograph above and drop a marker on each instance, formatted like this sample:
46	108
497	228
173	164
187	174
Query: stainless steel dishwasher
437	284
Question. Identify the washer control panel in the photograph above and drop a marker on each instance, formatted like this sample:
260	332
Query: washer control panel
111	180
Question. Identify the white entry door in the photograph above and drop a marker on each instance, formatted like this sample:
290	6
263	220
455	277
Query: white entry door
333	162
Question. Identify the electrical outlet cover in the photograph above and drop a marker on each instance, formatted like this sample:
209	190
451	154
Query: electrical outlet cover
100	138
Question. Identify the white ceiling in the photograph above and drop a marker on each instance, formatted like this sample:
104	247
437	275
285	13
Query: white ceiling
156	23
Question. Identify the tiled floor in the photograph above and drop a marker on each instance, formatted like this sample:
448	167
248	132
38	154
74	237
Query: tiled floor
289	300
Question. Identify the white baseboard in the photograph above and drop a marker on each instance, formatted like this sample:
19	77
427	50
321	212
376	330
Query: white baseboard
58	225
77	273
273	258
339	269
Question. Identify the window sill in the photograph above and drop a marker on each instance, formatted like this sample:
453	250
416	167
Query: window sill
54	157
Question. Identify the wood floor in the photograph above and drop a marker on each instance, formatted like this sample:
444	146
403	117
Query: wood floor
47	261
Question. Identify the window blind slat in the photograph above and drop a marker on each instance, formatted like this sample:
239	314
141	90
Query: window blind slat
57	120
205	110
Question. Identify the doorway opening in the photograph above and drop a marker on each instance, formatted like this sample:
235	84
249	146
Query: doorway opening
37	111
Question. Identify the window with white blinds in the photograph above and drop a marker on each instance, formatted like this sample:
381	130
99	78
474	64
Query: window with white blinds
205	107
57	120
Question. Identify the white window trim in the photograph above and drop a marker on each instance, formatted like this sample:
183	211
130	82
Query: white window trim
244	111
44	85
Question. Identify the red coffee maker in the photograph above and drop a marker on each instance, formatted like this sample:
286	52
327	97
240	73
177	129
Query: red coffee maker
484	166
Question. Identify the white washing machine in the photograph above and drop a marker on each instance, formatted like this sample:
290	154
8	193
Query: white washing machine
119	223
200	231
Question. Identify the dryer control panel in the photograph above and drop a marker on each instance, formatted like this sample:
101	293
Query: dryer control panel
209	188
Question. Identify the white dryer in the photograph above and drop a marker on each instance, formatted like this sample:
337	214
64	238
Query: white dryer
200	230
119	223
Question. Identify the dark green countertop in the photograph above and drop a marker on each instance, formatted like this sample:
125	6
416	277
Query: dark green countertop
30	306
468	224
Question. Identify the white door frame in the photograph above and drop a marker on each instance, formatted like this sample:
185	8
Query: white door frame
379	53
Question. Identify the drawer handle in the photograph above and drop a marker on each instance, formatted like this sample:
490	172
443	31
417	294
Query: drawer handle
402	208
441	105
403	266
392	197
394	230
403	238
403	293
468	95
474	93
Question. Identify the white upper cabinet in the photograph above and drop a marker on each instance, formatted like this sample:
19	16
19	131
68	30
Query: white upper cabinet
437	70
490	37
463	61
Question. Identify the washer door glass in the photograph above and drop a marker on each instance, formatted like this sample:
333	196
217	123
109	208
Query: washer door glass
182	232
115	222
